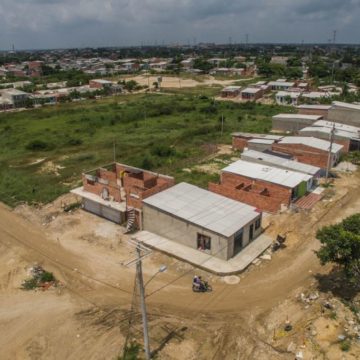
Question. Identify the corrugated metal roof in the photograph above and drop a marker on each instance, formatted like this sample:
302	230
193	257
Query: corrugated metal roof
297	116
261	141
257	136
271	174
338	126
279	161
346	105
204	208
312	142
315	107
327	131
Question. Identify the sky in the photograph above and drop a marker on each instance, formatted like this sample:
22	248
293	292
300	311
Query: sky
39	24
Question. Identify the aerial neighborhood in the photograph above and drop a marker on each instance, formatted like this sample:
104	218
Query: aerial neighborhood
152	195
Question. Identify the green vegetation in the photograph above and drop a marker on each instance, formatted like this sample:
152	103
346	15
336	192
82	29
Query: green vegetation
345	345
131	352
341	246
44	151
39	278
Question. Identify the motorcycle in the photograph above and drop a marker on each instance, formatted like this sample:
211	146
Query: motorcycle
204	287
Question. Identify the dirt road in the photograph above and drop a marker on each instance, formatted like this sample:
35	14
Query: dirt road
85	253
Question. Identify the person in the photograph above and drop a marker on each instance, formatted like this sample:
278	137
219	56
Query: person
197	282
201	283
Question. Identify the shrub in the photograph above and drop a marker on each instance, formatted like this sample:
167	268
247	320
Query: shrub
345	345
147	163
38	145
29	284
47	277
163	151
74	142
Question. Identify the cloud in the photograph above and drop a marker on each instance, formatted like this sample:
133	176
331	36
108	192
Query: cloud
61	23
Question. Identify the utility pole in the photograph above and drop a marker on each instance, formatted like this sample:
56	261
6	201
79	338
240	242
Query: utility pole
142	252
114	150
222	124
142	303
330	153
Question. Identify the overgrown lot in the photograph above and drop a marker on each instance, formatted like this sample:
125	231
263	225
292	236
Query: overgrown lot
43	151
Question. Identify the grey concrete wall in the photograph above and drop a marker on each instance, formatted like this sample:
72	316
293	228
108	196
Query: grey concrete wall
345	116
182	232
258	146
290	124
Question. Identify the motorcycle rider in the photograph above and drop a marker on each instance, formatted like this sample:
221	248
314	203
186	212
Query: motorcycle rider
197	282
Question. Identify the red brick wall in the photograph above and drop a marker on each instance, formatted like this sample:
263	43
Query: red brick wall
345	143
233	180
320	112
97	188
239	143
265	203
304	154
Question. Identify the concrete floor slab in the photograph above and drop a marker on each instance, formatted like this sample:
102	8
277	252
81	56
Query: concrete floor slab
205	261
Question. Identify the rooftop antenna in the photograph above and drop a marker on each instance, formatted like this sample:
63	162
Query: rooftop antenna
334	36
247	39
230	40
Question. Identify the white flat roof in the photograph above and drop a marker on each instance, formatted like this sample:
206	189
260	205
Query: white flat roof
288	93
271	174
312	142
314	107
297	116
281	83
327	130
231	88
257	136
251	90
204	208
279	161
261	141
338	126
346	105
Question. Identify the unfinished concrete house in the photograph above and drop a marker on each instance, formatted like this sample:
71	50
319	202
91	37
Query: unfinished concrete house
321	110
265	187
116	192
345	113
309	150
201	220
292	122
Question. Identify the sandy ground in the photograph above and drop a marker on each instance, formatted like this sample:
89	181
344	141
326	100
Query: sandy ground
88	317
176	82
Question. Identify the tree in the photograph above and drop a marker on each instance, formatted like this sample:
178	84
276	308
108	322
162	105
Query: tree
341	245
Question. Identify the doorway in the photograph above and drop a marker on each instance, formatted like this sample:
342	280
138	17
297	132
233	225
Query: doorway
238	242
251	232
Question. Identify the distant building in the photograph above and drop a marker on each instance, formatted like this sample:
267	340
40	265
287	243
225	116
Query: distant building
287	97
345	113
281	60
321	110
348	136
292	122
15	97
100	84
271	158
281	84
309	150
251	93
242	140
231	91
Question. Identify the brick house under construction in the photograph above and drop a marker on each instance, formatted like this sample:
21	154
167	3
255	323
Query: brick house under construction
267	188
116	191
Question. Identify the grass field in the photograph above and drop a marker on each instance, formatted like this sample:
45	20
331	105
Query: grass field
43	151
